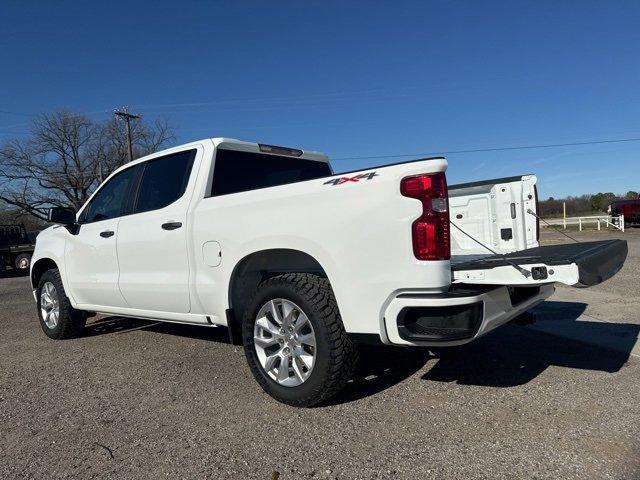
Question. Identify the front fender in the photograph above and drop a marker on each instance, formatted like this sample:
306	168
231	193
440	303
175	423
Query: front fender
50	245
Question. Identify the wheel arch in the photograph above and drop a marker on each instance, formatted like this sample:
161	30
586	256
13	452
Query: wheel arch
38	269
255	268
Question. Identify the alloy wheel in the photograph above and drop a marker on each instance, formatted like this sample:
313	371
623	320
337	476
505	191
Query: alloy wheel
285	342
49	305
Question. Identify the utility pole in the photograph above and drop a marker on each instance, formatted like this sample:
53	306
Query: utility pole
124	113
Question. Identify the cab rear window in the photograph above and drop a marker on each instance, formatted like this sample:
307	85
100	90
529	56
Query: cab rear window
236	171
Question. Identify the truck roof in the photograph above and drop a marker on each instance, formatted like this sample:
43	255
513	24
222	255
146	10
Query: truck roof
240	145
235	144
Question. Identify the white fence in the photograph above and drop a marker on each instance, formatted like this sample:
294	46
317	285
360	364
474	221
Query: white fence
608	220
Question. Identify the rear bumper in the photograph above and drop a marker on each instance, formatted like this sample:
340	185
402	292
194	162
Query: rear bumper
458	316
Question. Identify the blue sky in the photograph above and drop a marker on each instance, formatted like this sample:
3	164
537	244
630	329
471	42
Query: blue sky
353	79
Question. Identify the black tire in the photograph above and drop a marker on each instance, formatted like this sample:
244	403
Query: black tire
71	322
17	263
336	354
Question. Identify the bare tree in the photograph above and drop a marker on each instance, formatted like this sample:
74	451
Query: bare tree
65	158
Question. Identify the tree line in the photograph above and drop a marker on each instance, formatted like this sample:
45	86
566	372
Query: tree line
583	204
65	157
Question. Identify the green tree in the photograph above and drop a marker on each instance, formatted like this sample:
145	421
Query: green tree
600	201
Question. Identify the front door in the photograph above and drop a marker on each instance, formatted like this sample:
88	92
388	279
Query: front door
91	257
152	241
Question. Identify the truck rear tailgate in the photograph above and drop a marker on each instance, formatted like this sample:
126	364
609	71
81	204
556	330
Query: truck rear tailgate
577	264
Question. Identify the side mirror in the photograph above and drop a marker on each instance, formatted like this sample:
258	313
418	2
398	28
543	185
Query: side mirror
62	215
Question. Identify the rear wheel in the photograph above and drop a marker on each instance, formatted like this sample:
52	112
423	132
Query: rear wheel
58	319
22	261
294	341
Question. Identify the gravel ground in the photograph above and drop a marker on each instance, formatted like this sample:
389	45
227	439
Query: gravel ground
136	399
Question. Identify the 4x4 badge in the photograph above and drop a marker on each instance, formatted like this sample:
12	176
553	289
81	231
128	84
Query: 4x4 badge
356	178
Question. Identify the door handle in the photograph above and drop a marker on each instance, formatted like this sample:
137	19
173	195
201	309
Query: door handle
171	225
106	234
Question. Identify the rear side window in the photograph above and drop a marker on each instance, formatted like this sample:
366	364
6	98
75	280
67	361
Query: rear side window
164	181
241	171
110	199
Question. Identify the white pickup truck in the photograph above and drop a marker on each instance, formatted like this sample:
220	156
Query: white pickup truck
300	264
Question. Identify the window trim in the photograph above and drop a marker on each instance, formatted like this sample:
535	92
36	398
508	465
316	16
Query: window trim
135	194
209	190
82	219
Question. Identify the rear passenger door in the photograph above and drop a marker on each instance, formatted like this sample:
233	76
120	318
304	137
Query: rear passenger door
152	241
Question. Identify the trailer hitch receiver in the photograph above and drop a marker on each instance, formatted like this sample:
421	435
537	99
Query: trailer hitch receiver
539	273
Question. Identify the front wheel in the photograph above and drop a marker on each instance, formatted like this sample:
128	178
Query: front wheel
294	340
58	319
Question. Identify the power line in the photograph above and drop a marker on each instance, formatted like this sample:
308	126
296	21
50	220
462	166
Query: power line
24	124
17	113
291	98
490	149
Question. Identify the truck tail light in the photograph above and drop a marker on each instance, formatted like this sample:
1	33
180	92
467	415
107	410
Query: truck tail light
430	232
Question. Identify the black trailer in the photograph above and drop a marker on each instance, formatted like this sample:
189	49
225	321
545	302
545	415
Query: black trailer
16	247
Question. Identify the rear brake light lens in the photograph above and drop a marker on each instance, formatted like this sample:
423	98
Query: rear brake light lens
429	232
294	152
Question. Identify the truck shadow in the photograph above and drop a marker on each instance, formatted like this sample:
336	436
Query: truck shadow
380	368
119	325
13	273
507	357
514	355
